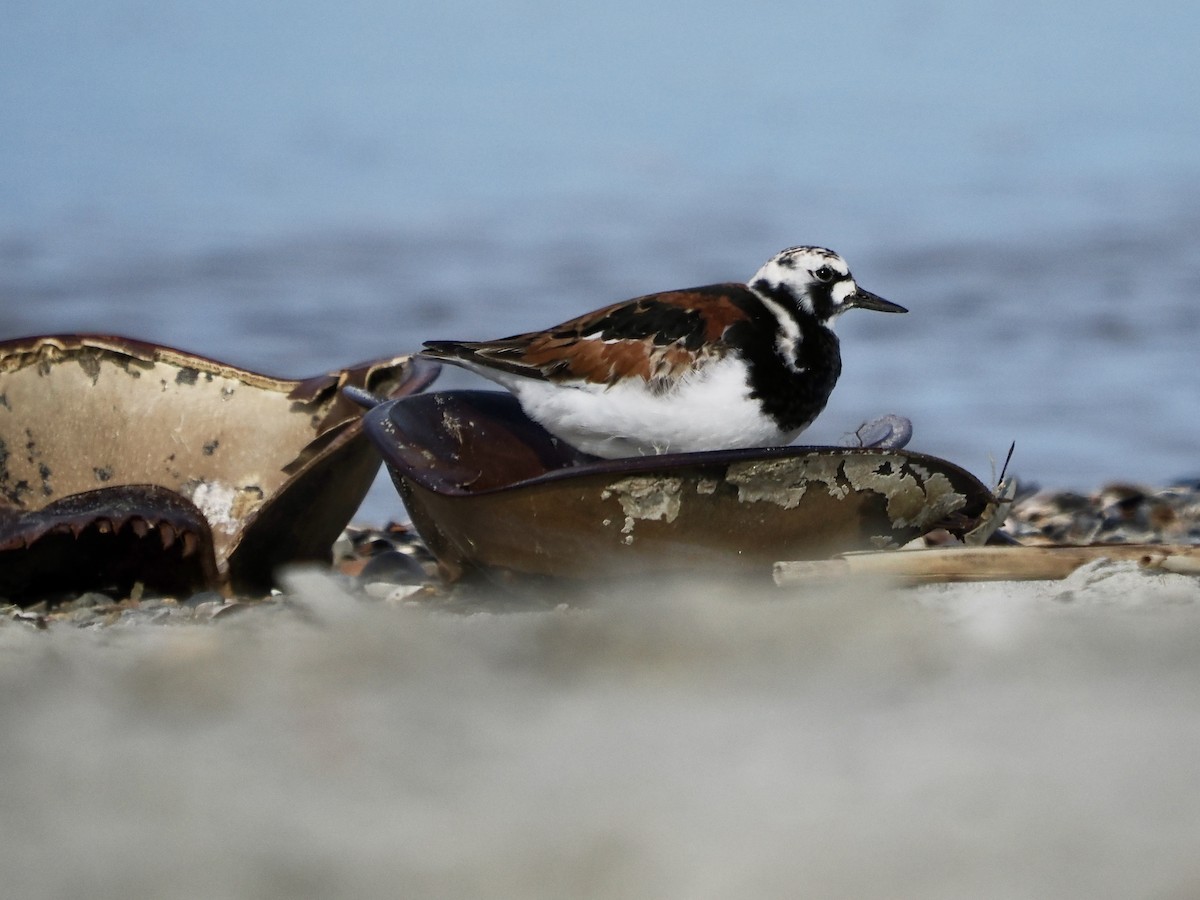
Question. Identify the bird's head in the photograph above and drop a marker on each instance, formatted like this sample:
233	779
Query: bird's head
818	281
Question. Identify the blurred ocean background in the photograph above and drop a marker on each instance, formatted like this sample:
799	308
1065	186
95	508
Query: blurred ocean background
297	186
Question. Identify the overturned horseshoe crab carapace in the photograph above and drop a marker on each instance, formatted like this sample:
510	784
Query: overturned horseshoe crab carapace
275	467
489	490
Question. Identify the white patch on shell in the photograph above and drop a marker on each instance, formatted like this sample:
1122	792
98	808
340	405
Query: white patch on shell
913	505
784	482
915	497
215	500
645	497
453	426
226	506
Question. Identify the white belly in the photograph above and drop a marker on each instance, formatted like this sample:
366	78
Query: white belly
710	411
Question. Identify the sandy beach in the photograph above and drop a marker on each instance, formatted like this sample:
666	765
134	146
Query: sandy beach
1003	740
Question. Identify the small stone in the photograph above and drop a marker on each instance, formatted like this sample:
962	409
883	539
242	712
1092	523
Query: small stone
37	620
393	567
90	599
401	595
206	610
378	590
343	548
202	598
230	608
84	615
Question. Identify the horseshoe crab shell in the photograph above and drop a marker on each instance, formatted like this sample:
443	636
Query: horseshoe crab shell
490	490
107	539
275	466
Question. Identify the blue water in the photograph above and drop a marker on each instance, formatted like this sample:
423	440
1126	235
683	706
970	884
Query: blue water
294	186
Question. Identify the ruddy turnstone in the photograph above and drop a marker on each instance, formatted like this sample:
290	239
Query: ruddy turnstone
706	368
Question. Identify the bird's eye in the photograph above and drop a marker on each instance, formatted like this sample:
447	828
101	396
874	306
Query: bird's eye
825	274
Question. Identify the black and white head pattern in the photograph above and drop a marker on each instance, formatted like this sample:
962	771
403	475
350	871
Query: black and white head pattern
815	279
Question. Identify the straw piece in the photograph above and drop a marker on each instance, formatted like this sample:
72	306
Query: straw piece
987	563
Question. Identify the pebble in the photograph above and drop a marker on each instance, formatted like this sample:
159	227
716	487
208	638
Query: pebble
84	615
207	609
1116	513
394	538
393	567
91	598
197	600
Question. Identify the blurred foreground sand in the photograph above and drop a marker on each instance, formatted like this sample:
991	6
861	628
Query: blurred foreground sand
1000	740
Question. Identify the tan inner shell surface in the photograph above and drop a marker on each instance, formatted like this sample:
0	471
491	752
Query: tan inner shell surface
80	422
